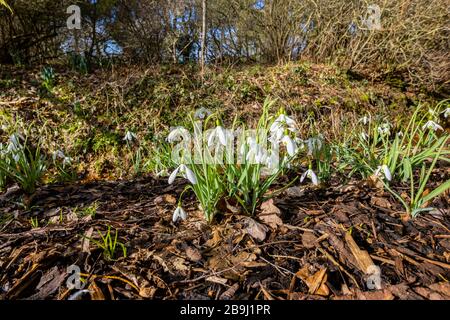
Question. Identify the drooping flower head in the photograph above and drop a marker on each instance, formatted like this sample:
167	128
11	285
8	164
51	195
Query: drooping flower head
280	125
384	129
14	143
130	137
311	175
60	155
365	120
446	112
185	172
218	134
202	113
178	214
384	169
178	134
431	125
290	144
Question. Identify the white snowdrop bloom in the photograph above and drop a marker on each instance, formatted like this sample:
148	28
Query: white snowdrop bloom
431	125
185	172
384	129
177	133
202	113
179	213
220	133
277	135
365	120
59	154
67	161
291	146
385	170
432	112
16	157
130	137
261	155
314	145
400	134
256	154
365	136
279	127
446	112
284	122
15	138
311	175
14	144
247	146
13	148
273	162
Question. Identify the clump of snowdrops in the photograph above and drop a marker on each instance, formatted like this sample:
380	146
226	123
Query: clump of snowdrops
235	165
21	162
408	155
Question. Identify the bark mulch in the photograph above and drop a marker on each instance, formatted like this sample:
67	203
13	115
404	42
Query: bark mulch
326	243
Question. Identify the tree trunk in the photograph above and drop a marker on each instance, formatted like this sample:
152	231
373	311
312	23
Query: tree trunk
203	39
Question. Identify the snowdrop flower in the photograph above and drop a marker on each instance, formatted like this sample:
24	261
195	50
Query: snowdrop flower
59	154
220	133
314	145
16	157
202	113
14	143
432	126
384	129
311	175
247	146
257	154
130	137
12	148
179	213
185	172
385	169
291	147
446	112
365	136
400	134
272	162
15	138
242	149
177	133
67	161
277	135
279	127
365	120
284	122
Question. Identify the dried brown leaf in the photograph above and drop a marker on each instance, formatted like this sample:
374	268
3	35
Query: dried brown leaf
256	230
381	202
309	240
193	254
270	214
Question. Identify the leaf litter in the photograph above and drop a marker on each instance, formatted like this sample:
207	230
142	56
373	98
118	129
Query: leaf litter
301	245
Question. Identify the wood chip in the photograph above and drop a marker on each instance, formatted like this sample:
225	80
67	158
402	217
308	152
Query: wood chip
363	259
